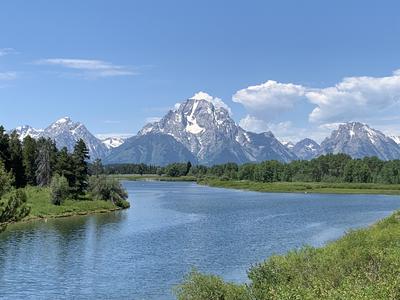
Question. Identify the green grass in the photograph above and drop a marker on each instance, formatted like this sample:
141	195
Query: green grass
364	264
306	187
41	206
135	177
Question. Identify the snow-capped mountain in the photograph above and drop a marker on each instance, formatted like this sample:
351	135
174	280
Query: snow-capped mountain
66	133
112	142
359	140
288	144
306	149
396	139
210	134
24	131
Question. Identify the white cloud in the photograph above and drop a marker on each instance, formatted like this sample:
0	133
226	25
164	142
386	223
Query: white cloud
270	97
284	131
8	75
6	51
90	68
251	123
356	98
217	102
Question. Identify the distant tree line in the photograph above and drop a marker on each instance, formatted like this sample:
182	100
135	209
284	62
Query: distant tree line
326	168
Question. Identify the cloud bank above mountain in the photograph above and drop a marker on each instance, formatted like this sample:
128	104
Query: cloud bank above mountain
364	98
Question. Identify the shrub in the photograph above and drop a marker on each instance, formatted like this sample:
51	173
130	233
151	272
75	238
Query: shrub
59	189
13	207
108	189
208	287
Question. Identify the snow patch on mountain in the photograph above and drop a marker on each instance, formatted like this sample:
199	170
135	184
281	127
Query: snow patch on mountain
396	139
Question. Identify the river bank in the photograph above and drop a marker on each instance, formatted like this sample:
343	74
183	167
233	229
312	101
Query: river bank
305	187
42	208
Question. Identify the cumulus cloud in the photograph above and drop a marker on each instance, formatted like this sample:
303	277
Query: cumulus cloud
356	97
284	131
217	102
374	100
270	97
90	68
251	123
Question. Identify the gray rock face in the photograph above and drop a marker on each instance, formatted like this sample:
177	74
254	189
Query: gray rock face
212	136
66	133
153	148
359	140
306	149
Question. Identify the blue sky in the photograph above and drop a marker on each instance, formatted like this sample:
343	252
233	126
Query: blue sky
279	65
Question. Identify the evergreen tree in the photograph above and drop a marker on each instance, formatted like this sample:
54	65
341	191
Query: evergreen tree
29	154
4	148
64	166
97	167
43	161
80	160
16	160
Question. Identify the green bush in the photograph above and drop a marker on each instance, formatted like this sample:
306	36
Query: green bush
208	287
13	207
364	264
108	189
59	189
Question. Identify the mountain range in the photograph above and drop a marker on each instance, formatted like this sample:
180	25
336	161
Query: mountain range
203	132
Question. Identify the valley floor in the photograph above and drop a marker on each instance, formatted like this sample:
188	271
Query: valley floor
306	187
42	208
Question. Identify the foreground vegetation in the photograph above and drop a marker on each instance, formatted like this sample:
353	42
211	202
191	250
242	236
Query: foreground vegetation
41	206
364	264
305	187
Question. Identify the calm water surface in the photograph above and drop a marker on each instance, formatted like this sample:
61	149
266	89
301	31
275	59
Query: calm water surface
141	253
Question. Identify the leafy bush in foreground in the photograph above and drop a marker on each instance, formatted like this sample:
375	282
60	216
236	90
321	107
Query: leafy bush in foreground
364	264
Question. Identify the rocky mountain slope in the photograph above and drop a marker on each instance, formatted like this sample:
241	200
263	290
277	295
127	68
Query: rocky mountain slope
359	140
153	148
306	149
212	136
66	133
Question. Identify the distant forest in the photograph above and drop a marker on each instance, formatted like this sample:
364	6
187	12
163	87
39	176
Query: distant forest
326	168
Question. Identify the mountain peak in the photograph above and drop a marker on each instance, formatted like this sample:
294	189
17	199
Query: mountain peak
360	140
204	126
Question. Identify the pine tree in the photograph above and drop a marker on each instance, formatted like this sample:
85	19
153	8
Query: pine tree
64	166
16	160
43	161
80	159
29	154
97	167
4	148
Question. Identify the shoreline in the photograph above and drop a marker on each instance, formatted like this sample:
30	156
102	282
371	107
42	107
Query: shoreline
304	187
28	218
